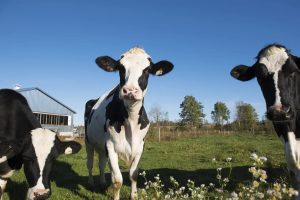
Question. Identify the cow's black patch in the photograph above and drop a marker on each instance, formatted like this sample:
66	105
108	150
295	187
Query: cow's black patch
112	92
143	79
116	112
143	118
105	129
4	168
88	113
122	74
16	162
106	150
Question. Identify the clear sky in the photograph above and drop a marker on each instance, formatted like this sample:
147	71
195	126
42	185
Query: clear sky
52	44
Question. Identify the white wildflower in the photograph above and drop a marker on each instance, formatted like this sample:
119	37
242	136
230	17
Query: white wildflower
253	156
264	159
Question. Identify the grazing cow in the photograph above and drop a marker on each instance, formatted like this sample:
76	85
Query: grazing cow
117	123
24	142
277	73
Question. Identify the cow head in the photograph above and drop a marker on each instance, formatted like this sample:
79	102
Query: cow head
134	68
37	169
276	71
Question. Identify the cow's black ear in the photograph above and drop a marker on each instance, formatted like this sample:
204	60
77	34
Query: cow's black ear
243	73
161	68
70	147
107	63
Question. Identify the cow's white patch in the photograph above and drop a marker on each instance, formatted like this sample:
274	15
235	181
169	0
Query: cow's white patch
2	186
135	61
8	174
3	183
68	150
43	141
292	151
274	58
292	154
3	159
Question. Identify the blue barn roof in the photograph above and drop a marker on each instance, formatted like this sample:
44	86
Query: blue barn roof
40	101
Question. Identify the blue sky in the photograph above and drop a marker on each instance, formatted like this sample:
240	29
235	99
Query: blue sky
53	44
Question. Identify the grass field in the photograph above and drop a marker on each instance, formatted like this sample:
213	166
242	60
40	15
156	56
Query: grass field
184	158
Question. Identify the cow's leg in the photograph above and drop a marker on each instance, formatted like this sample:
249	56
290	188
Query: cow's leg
102	164
2	186
116	175
133	174
5	173
90	162
292	154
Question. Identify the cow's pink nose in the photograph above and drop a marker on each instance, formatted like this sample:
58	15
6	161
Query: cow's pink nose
129	90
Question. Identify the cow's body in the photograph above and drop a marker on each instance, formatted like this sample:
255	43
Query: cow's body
117	123
24	141
278	74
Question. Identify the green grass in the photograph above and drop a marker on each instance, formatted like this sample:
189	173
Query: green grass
184	158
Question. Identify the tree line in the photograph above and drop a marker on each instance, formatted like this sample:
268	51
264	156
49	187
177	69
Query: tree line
192	117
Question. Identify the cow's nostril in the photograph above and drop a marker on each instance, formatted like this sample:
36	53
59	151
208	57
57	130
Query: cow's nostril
125	91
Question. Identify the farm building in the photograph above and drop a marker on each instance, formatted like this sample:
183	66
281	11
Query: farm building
51	113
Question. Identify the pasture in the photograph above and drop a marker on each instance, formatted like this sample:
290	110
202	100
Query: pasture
184	158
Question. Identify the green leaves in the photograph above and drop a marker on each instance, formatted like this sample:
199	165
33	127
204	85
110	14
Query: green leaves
192	112
220	114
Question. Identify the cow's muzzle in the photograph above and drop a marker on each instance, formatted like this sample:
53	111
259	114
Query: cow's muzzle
131	93
39	194
280	113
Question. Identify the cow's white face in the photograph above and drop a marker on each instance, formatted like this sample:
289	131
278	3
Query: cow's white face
275	70
134	68
46	147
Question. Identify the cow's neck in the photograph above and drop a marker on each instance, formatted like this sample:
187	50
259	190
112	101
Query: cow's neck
133	109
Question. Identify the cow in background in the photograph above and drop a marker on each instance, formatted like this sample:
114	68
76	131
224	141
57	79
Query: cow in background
117	123
24	142
277	73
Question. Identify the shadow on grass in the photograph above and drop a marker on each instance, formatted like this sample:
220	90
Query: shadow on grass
65	177
206	176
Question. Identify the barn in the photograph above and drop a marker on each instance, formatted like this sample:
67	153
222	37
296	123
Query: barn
51	113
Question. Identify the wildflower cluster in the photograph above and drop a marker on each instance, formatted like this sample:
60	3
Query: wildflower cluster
257	188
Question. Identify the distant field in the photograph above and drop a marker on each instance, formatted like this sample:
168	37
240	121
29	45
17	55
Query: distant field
184	158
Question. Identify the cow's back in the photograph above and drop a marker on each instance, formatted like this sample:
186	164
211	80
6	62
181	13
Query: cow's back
96	119
16	118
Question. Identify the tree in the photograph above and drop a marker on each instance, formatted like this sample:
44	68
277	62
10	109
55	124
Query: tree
246	116
220	114
157	116
192	112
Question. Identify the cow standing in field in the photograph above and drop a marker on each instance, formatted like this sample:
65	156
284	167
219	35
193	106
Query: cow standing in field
117	123
24	142
277	73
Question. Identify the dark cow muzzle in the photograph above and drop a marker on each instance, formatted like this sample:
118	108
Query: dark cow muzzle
38	194
280	113
42	196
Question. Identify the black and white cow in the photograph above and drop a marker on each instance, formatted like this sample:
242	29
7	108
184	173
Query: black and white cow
117	122
24	142
277	73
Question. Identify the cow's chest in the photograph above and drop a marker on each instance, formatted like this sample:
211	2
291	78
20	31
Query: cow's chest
129	142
